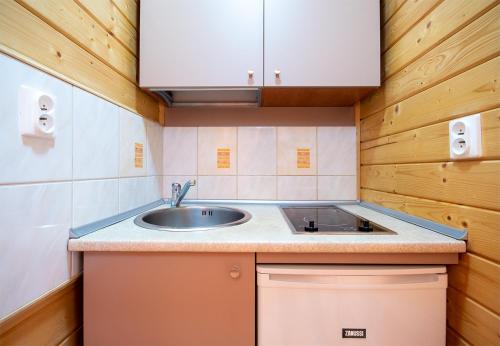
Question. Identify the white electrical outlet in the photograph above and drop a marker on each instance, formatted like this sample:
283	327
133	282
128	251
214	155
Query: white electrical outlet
465	137
36	113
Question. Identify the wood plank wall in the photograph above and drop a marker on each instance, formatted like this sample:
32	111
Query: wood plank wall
54	319
88	43
440	62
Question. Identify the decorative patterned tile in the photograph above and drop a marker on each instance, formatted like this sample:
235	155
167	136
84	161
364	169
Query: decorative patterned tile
212	143
291	140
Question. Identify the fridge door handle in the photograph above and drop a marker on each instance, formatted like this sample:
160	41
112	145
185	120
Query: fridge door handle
353	282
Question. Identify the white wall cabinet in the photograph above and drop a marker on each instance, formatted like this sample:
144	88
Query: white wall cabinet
322	43
201	43
286	43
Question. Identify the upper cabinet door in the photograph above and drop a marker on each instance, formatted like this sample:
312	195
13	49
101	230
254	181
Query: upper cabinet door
322	43
201	43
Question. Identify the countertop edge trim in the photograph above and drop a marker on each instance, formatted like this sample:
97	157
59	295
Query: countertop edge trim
455	233
77	232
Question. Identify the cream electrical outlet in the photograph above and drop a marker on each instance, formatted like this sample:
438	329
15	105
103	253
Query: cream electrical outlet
465	137
36	113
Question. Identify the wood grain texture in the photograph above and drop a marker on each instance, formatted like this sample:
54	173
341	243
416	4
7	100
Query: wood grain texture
481	224
115	22
74	339
130	9
28	38
475	323
476	43
429	143
389	8
70	19
313	97
446	19
47	321
446	65
454	339
472	183
473	91
477	278
408	14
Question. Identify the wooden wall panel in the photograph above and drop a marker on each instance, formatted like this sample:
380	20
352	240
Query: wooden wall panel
474	183
475	90
76	24
68	41
479	279
428	143
481	224
130	9
109	16
440	66
446	19
471	46
407	15
475	323
53	319
390	8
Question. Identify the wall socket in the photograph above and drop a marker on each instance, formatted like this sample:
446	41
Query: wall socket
36	113
465	137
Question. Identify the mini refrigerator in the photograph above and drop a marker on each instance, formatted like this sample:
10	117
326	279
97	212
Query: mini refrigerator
389	305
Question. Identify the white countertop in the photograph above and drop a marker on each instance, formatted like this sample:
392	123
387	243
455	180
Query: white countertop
268	231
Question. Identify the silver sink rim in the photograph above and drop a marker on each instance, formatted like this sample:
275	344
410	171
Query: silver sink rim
138	220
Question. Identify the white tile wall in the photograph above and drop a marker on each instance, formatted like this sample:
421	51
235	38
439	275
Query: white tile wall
263	162
217	187
297	188
48	186
85	195
96	137
337	187
256	187
257	151
154	151
33	241
25	159
132	131
180	151
337	151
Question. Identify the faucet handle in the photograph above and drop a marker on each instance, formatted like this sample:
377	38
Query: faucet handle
176	186
192	182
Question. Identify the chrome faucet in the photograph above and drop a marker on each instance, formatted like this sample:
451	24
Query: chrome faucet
179	193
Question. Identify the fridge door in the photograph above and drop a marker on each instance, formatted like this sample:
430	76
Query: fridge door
351	305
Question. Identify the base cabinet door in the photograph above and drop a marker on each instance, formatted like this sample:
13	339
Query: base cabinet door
169	299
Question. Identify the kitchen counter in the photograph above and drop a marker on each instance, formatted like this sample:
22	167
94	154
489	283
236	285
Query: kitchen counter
268	231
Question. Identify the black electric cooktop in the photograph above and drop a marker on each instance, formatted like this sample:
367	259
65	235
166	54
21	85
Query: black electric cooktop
329	220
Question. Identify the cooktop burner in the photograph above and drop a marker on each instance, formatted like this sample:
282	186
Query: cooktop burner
329	220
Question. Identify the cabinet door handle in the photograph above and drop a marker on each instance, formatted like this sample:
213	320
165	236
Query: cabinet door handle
250	74
235	272
277	73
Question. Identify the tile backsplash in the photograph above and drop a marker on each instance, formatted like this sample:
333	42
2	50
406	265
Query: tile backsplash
86	173
285	163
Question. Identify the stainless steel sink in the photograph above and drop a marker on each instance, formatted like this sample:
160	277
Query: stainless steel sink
192	218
